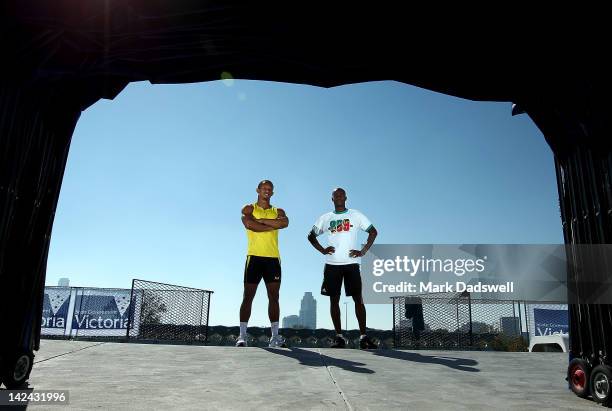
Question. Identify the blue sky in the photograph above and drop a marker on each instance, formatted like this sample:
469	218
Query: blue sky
156	179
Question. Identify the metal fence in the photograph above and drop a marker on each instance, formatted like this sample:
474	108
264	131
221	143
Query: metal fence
149	310
168	312
460	322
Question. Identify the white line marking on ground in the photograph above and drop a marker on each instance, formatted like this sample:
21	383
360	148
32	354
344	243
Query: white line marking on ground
344	398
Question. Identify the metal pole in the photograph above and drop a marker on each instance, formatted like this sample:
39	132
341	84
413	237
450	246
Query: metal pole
527	327
394	326
76	335
207	316
457	331
70	314
470	314
520	330
131	312
513	316
142	305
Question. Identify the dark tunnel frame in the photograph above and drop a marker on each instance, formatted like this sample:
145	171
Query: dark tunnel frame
61	57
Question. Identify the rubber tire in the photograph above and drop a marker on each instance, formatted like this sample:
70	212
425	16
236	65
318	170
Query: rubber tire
8	369
578	365
608	373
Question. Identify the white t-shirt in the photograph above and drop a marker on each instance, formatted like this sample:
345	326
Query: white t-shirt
342	229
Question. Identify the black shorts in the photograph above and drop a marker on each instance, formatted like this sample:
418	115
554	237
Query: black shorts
257	267
333	276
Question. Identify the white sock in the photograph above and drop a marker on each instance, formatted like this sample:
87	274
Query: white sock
362	336
243	329
274	328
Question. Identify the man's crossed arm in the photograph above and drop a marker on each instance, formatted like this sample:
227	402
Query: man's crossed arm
263	224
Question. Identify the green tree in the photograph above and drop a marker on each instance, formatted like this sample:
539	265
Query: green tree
152	307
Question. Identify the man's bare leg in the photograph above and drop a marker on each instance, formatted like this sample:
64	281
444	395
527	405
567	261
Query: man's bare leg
273	305
247	301
274	314
245	312
360	313
334	310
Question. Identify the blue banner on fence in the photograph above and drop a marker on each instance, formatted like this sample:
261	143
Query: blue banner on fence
55	308
549	322
101	312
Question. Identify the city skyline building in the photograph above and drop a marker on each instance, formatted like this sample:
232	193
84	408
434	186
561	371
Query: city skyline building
291	321
308	311
307	317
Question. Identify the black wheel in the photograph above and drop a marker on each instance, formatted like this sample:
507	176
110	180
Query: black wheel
16	369
578	372
601	384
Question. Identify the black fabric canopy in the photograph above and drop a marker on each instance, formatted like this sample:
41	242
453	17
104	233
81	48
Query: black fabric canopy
100	46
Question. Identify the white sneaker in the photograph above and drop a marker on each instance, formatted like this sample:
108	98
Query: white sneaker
241	342
277	342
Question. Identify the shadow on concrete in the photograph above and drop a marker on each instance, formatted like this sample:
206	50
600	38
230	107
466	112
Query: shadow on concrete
461	364
316	359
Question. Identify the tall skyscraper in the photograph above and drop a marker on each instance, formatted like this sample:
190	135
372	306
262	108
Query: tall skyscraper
308	312
63	282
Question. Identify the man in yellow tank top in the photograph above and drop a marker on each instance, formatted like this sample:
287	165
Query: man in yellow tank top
262	222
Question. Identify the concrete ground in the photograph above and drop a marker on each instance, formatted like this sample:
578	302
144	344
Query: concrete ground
116	376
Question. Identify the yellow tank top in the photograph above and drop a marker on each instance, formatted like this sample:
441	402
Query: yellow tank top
263	244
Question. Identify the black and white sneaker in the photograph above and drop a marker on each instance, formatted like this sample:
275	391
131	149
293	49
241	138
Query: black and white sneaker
241	342
339	342
277	341
366	344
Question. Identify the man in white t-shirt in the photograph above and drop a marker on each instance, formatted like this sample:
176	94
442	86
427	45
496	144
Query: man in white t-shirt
342	261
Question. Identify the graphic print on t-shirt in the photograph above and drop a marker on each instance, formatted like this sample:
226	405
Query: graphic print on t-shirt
342	230
340	225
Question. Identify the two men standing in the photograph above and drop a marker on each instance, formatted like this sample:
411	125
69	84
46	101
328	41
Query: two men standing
262	222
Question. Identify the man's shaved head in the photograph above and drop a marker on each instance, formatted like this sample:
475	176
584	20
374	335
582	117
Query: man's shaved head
262	182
